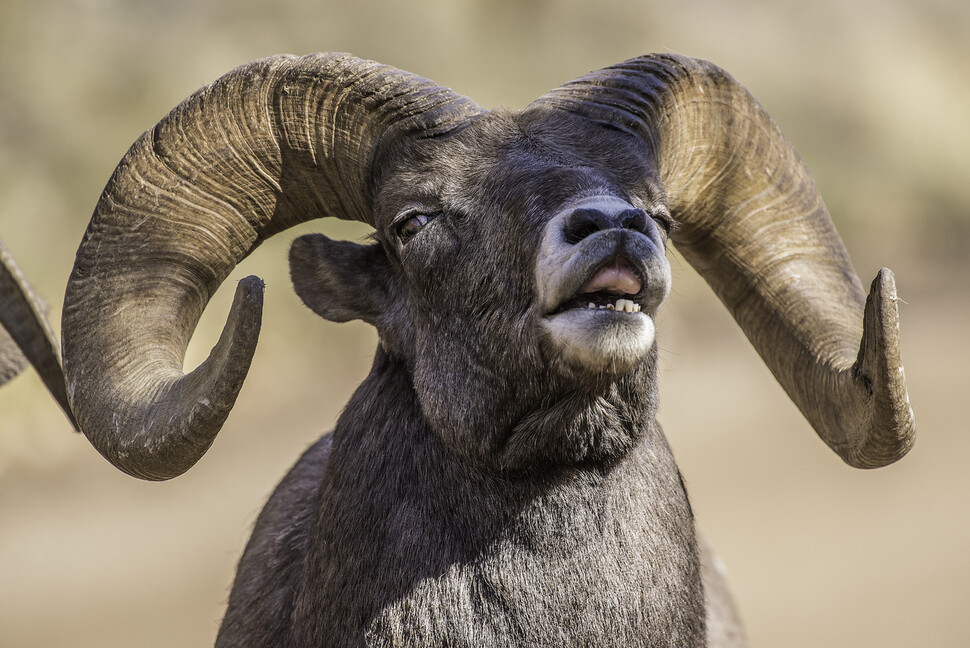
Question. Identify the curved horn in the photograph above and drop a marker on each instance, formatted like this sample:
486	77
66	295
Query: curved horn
12	361
752	222
271	144
28	334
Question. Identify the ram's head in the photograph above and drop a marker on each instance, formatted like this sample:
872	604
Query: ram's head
517	265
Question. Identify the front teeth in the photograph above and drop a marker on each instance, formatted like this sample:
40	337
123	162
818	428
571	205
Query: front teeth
622	305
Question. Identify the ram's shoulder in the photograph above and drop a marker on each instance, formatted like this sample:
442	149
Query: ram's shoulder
262	594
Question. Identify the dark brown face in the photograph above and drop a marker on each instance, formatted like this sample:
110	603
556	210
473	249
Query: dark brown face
512	265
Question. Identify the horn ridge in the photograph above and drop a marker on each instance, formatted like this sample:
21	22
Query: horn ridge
271	144
23	319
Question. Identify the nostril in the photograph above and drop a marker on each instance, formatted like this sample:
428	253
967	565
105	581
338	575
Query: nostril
585	222
633	219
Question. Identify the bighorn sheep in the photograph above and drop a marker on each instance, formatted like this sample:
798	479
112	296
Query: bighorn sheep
499	478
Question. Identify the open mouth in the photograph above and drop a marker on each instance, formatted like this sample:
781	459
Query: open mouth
599	295
614	286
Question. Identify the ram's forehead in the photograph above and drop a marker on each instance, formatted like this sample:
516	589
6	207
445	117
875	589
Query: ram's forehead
509	161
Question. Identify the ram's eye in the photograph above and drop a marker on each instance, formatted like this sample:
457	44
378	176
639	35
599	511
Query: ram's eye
664	221
411	226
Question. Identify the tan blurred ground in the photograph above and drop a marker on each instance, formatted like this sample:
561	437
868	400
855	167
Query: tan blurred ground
875	94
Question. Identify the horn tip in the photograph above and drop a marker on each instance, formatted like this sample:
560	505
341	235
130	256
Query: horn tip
242	326
892	425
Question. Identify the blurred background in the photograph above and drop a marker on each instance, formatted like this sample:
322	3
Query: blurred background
876	96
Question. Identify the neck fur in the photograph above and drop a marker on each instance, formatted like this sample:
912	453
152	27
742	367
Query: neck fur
585	553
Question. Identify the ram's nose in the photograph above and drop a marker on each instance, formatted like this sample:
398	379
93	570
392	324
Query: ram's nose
591	217
601	244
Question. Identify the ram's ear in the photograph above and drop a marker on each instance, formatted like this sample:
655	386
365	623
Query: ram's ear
339	280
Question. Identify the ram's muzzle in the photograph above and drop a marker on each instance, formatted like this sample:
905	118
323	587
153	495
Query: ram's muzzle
601	274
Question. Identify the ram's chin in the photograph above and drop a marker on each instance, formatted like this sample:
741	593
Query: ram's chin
600	341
